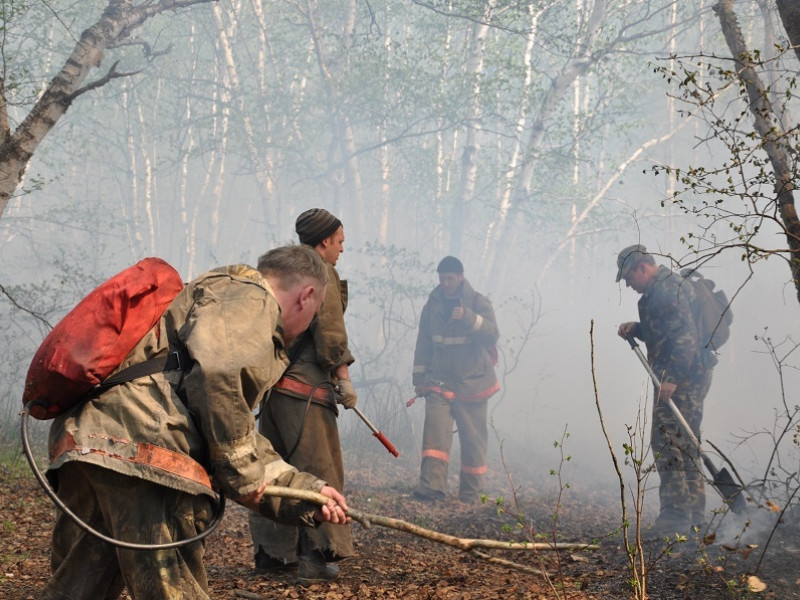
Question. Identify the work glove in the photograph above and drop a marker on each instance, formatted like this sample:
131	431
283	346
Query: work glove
347	397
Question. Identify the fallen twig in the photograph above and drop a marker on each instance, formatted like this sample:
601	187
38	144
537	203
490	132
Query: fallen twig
248	595
508	563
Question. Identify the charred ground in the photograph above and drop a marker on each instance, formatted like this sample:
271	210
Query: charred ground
392	564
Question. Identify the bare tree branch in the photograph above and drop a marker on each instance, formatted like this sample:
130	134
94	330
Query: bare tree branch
112	74
22	308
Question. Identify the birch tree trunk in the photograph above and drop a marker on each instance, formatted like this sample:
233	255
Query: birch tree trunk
508	231
445	148
386	170
772	136
118	21
189	242
266	177
237	95
770	55
342	157
459	221
490	243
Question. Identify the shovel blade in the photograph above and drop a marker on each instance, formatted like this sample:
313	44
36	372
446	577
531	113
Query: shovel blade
730	491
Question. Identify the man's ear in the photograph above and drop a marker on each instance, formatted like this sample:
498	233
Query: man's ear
306	294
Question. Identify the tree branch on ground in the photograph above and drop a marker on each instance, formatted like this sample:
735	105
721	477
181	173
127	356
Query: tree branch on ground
465	544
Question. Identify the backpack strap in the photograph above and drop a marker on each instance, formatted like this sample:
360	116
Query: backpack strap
174	361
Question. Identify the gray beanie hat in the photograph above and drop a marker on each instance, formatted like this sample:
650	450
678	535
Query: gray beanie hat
315	225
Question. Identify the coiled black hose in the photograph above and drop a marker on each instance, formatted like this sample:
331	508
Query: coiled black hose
86	527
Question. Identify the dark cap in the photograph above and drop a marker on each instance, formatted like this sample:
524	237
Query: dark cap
450	264
628	258
315	225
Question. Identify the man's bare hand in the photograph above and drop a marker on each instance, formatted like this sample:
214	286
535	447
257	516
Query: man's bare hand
335	510
666	390
626	329
458	313
253	499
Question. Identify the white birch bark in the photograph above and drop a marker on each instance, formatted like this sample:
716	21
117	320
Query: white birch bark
473	72
385	191
490	244
508	229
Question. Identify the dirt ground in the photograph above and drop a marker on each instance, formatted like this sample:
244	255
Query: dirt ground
393	564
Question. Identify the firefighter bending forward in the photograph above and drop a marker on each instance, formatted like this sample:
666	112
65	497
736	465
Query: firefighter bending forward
139	461
454	369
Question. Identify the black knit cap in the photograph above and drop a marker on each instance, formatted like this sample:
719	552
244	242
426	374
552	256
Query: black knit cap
315	225
450	264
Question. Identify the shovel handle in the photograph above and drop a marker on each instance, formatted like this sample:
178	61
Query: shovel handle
722	481
677	413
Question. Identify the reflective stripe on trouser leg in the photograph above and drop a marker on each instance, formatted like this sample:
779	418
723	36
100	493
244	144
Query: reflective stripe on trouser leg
473	436
682	484
437	437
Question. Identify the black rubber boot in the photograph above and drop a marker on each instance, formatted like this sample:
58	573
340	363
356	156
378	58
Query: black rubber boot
266	563
311	564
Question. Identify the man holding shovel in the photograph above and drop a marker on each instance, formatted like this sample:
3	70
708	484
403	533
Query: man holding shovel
299	417
684	368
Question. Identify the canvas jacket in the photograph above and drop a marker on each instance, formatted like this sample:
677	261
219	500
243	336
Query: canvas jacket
177	427
456	353
317	354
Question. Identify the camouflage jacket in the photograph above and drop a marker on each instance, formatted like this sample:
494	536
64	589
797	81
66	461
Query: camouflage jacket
668	329
189	430
456	353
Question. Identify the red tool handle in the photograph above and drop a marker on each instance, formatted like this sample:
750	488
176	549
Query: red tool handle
382	439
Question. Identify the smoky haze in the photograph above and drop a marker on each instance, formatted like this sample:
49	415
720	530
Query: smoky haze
534	187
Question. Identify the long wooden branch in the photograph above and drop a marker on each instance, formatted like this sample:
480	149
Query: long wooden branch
465	544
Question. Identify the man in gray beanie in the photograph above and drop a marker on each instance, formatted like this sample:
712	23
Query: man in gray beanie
300	414
454	369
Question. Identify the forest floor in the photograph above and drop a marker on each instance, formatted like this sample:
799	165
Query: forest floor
391	564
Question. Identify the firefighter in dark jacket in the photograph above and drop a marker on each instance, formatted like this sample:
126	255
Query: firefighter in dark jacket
667	327
300	415
454	369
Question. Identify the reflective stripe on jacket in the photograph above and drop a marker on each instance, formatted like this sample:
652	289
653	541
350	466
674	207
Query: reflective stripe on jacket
454	354
228	322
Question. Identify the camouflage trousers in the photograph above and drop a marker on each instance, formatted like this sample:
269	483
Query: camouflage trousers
437	439
132	510
682	487
313	439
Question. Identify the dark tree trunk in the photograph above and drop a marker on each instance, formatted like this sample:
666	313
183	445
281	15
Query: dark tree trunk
772	137
789	11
